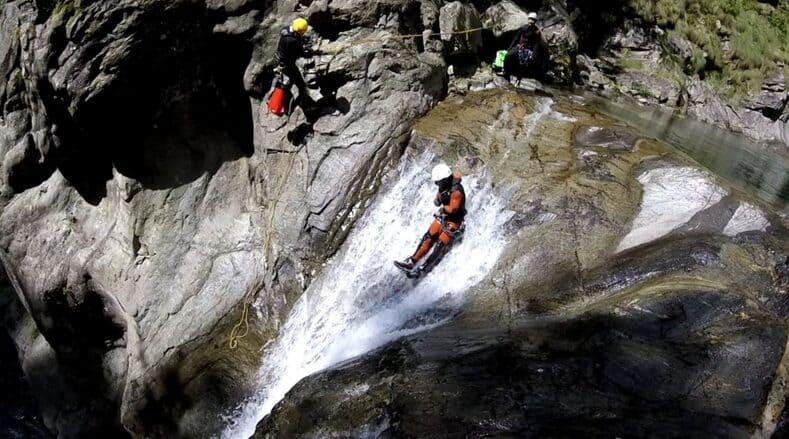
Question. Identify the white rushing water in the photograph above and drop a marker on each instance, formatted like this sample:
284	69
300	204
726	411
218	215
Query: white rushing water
360	301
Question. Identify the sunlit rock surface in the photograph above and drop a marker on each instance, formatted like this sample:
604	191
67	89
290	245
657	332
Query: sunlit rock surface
146	194
620	305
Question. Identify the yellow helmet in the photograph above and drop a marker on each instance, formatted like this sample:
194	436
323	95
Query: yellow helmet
300	25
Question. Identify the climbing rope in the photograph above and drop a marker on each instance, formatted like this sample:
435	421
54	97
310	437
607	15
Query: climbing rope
237	333
384	38
241	329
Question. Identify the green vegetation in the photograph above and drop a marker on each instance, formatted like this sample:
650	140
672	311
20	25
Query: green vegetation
67	7
629	64
641	90
736	41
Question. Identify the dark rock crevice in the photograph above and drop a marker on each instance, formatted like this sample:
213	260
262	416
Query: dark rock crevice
20	417
596	22
174	110
31	170
328	26
75	359
79	324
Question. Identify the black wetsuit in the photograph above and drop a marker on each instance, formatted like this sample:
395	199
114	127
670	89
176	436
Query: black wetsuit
524	48
291	48
444	198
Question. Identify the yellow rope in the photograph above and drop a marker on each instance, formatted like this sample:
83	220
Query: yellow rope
404	37
235	334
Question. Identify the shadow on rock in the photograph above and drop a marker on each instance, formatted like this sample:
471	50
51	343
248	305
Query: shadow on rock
19	416
688	364
83	327
174	110
326	106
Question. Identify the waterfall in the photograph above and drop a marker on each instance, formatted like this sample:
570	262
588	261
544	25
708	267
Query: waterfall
360	301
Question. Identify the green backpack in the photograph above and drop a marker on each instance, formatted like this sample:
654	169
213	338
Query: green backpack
501	55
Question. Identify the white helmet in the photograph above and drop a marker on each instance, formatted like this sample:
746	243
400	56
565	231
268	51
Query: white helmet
441	172
532	16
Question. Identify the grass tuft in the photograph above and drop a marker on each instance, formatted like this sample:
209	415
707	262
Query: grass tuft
67	7
738	40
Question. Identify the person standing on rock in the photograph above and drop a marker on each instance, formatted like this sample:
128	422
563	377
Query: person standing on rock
291	47
448	222
522	52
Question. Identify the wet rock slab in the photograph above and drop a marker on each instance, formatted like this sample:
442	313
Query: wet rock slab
679	364
638	296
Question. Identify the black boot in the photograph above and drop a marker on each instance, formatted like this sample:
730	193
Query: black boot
434	258
407	264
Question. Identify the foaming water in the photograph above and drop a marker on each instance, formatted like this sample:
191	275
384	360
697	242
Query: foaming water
360	301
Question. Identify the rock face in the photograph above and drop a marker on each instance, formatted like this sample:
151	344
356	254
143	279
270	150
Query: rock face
649	88
683	50
147	197
596	294
146	193
561	40
503	17
456	18
760	119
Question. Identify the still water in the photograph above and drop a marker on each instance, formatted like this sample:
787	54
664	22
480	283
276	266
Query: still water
757	169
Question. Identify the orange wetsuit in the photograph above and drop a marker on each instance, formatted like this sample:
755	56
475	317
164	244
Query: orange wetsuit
452	213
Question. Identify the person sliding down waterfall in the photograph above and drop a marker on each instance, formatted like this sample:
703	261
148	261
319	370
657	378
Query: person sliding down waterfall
447	226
